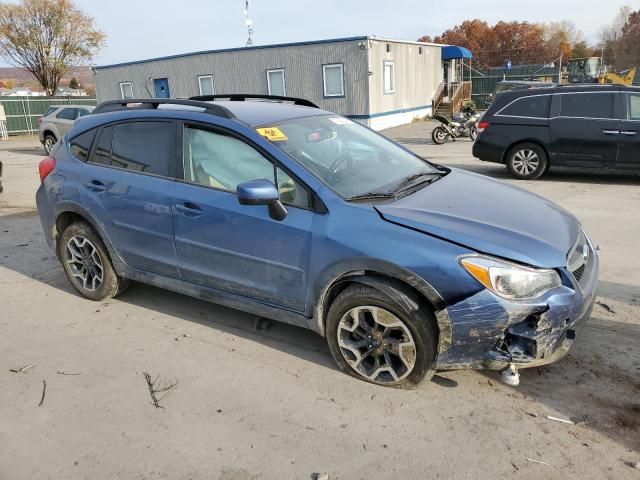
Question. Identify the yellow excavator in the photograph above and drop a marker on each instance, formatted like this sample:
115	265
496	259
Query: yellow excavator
593	70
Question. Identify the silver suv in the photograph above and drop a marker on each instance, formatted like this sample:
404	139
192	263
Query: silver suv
57	121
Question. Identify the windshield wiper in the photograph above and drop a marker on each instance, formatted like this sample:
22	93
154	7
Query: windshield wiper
372	196
412	180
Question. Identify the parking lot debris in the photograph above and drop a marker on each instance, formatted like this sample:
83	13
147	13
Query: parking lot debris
606	307
510	376
62	372
561	420
319	476
44	391
23	369
156	387
538	461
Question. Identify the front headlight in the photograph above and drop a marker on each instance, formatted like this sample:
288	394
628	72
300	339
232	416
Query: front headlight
509	280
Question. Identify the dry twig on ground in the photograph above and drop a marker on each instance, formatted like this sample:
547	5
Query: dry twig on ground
156	387
23	369
44	390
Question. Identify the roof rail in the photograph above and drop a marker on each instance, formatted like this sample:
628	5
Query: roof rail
242	97
154	103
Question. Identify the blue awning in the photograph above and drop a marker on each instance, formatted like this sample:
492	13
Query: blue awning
451	52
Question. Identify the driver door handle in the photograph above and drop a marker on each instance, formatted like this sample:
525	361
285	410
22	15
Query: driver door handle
611	132
629	133
189	209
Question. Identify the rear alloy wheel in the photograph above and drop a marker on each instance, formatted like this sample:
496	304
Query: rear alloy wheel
87	264
373	338
439	135
527	161
49	142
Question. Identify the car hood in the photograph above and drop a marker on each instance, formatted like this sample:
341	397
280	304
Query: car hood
488	216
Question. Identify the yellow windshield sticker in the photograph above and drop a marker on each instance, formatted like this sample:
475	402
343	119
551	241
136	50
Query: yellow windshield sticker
272	133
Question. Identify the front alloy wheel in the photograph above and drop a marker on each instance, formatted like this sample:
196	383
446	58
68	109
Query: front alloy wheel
376	344
49	142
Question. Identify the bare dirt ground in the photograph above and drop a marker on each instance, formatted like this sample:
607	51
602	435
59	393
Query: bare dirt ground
271	404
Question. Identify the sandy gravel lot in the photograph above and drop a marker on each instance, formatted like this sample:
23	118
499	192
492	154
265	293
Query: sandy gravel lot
270	404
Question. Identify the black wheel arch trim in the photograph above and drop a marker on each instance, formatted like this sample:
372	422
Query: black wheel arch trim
68	207
375	273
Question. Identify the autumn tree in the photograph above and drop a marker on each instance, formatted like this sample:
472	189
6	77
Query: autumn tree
74	84
47	38
630	41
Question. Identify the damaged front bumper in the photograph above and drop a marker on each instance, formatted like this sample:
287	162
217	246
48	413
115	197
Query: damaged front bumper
487	331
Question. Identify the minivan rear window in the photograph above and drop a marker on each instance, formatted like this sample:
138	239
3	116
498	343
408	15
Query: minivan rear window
536	106
587	105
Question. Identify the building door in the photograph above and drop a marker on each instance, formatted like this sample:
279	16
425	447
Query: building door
162	87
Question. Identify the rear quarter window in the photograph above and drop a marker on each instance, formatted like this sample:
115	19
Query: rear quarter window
81	145
536	106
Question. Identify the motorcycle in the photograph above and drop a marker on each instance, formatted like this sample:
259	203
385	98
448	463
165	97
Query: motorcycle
462	125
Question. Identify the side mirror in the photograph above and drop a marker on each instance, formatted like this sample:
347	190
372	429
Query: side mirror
262	192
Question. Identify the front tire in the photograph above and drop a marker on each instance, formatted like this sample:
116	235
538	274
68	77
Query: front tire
87	264
527	161
374	338
439	135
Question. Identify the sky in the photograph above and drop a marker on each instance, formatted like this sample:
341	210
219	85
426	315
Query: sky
140	29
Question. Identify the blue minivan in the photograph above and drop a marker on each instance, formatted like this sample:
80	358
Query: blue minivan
278	208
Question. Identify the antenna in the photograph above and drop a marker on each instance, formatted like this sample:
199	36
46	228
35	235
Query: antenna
248	22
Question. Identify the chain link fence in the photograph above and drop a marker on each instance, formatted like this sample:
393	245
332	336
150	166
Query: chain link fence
23	112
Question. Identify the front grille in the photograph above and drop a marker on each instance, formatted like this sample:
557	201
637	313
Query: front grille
579	272
580	257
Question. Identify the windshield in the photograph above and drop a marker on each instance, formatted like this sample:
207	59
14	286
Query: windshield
351	159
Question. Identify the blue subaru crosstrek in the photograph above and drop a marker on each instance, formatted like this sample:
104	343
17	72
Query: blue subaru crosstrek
289	212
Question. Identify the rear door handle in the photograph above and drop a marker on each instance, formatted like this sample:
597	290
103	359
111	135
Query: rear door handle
189	209
629	133
96	186
611	132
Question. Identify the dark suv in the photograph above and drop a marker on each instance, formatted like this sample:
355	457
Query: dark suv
585	126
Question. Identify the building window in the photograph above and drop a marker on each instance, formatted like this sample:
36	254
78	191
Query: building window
205	84
333	80
389	77
126	90
275	82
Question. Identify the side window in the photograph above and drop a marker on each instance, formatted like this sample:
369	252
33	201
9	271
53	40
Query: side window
633	106
223	162
143	147
291	192
82	112
81	145
102	152
587	105
67	114
533	107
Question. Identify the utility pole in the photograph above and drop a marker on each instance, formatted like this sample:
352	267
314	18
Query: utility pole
560	69
249	23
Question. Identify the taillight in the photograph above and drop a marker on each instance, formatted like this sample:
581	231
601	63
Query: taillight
46	166
482	126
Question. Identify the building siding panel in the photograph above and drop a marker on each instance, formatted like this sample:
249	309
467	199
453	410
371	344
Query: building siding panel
244	71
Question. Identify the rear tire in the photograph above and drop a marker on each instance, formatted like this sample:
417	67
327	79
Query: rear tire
376	339
439	135
473	133
87	264
49	142
527	161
